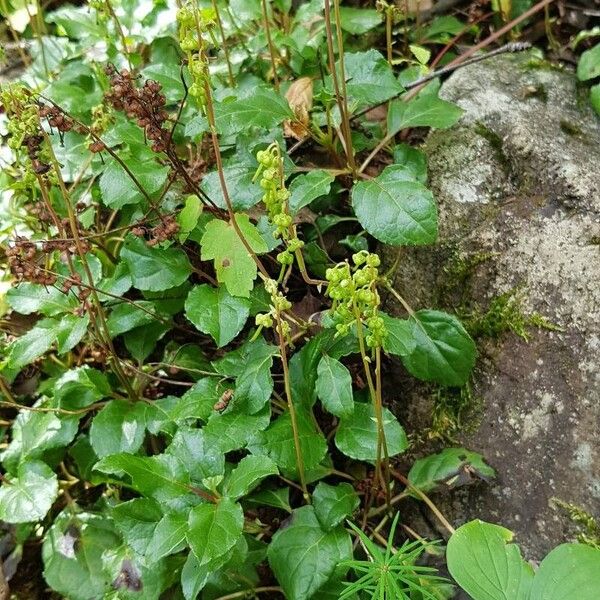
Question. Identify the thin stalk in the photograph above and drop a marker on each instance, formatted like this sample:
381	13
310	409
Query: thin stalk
247	593
270	44
389	21
224	43
120	32
292	409
339	88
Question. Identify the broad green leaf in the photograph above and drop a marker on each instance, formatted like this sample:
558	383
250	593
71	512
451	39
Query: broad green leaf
142	341
36	433
308	187
399	339
136	520
119	427
263	108
243	192
169	76
303	556
193	577
117	187
413	159
215	312
249	472
213	530
425	110
589	64
161	477
448	469
254	384
125	317
359	20
234	429
370	79
486	565
198	401
72	555
444	352
569	571
200	459
188	216
70	331
334	503
356	436
334	387
28	496
28	298
80	387
168	537
33	344
395	210
155	269
234	265
277	498
278	442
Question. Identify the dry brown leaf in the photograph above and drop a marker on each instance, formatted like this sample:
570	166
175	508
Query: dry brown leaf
300	99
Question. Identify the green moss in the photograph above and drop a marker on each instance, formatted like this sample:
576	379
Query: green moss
588	527
595	240
505	313
455	410
570	128
495	142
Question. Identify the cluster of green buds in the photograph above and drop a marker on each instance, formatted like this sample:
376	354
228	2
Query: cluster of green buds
275	198
102	12
193	22
353	289
279	304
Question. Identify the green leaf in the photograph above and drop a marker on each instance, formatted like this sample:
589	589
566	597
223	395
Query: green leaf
199	458
308	187
169	76
33	344
215	312
589	64
155	269
80	387
125	317
161	477
425	110
334	387
233	430
198	401
168	537
356	436
334	503
359	20
117	187
448	469
244	193
303	556
263	108
595	97
188	216
399	340
213	530
28	496
278	442
486	565
370	79
72	554
569	571
395	210
444	352
136	520
70	331
254	384
193	577
119	427
412	159
249	472
28	298
277	498
234	265
141	341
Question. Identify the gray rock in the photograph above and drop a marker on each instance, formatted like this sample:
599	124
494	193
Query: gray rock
518	186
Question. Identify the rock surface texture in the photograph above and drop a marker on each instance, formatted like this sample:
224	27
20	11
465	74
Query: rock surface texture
518	187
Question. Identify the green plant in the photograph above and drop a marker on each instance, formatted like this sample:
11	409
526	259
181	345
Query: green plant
170	392
392	574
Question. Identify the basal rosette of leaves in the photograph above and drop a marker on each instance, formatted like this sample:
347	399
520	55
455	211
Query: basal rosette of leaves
181	418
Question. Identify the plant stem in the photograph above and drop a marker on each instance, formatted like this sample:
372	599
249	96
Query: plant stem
389	21
339	88
270	44
224	43
244	593
120	32
292	409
